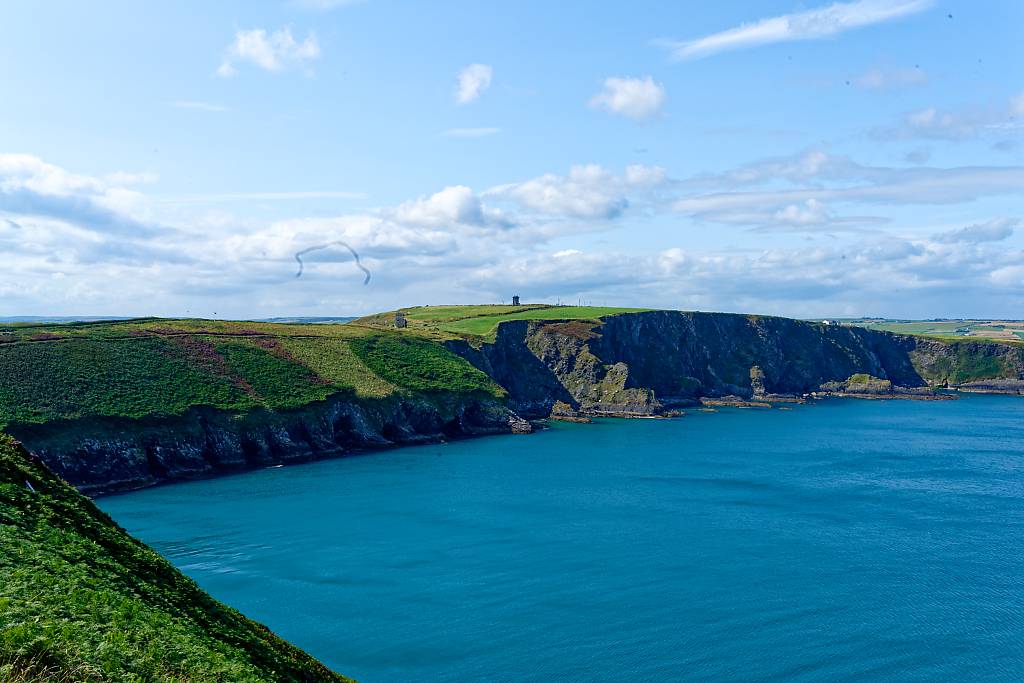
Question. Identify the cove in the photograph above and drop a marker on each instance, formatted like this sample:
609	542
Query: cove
838	541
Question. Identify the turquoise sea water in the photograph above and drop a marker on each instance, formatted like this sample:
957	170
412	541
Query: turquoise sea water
842	541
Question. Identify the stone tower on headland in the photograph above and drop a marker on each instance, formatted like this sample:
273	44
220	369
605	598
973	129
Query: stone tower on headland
515	300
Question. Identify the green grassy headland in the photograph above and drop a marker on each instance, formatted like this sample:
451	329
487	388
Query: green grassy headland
80	600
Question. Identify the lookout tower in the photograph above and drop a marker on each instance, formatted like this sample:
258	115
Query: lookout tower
515	300
400	321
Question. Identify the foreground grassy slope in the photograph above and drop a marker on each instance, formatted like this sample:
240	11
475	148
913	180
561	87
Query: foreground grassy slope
159	368
80	600
445	322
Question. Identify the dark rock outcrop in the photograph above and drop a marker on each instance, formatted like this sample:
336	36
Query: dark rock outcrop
646	363
106	455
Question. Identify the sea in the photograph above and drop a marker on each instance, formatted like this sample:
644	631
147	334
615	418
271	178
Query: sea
844	540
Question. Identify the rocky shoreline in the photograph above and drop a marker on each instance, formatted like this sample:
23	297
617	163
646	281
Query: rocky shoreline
637	365
102	456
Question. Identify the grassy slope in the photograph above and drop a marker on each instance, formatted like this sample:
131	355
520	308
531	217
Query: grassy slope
445	322
80	600
163	367
979	330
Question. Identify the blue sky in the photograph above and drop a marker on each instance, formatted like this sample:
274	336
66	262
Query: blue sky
854	158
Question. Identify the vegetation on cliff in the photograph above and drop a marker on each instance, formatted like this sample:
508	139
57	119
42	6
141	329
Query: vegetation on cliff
446	322
161	368
80	600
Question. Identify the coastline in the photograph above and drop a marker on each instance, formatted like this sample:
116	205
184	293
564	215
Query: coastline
706	405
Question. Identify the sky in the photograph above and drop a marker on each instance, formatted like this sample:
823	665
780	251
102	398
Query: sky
859	158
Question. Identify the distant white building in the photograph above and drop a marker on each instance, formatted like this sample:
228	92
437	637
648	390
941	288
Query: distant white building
830	323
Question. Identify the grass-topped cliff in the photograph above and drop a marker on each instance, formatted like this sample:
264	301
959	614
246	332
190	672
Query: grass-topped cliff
447	322
119	405
80	600
123	404
146	368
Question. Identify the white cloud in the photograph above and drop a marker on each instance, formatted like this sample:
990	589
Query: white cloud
636	98
795	190
640	175
994	230
125	178
810	212
889	79
1017	105
452	205
588	191
808	25
277	51
199	106
966	124
470	132
77	242
473	80
217	197
29	186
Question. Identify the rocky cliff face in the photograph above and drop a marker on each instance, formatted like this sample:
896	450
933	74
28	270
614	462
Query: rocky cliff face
643	363
971	365
629	364
105	455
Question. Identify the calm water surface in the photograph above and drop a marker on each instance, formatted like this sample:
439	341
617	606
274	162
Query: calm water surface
843	541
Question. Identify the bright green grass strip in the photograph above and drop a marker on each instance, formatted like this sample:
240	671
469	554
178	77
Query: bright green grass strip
80	600
420	365
333	360
486	324
441	313
279	382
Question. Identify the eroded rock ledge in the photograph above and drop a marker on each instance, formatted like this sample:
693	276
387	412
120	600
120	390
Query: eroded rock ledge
644	364
107	455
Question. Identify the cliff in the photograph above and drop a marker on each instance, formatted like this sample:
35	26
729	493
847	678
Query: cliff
644	363
122	405
80	600
103	454
117	406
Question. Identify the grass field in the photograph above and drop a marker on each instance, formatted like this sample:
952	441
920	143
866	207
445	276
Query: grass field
997	330
159	368
80	600
481	321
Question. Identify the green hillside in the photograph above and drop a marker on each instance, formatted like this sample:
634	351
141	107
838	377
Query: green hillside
953	328
159	368
464	321
80	600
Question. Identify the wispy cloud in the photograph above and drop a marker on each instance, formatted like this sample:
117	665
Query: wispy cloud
214	198
198	106
277	51
808	25
995	230
891	79
961	124
588	191
636	98
800	191
76	240
470	132
473	80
